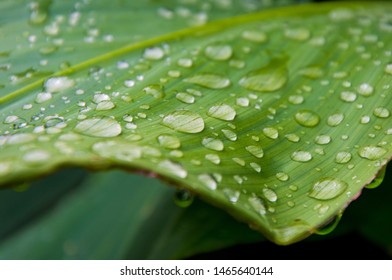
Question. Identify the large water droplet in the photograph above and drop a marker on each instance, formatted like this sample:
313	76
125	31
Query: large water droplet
372	152
365	89
169	141
99	127
269	78
335	119
212	81
105	106
184	121
185	97
207	181
219	52
270	195
222	112
213	144
348	96
307	118
173	168
153	53
57	84
229	134
323	139
256	151
327	188
343	157
271	132
301	156
381	112
183	198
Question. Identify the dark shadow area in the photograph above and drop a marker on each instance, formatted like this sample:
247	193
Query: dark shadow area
346	247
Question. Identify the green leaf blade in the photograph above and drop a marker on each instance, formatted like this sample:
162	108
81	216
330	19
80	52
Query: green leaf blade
282	126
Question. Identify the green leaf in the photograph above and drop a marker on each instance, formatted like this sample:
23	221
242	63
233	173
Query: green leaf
111	215
279	117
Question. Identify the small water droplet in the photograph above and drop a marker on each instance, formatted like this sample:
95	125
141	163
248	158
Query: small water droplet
335	119
185	97
153	53
323	139
388	69
229	134
99	127
212	144
307	118
222	112
343	157
242	101
169	141
348	96
312	72
42	97
327	188
270	195
36	157
58	84
118	150
211	81
239	161
301	156
365	119
155	91
269	78
207	181
256	167
296	99
185	62
173	168
257	205
341	14
298	34
271	132
254	36
218	52
183	198
256	151
293	188
281	176
365	89
215	159
290	203
292	137
184	121
381	112
231	195
105	106
372	152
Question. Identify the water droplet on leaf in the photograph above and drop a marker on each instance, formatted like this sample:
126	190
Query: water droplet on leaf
222	112
99	127
327	188
184	121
